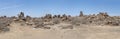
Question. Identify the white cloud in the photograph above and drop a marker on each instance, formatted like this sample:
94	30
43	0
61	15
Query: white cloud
9	7
3	9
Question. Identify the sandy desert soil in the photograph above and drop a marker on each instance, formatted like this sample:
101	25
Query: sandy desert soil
79	32
100	26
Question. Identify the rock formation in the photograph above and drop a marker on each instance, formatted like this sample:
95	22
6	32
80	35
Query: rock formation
48	20
81	13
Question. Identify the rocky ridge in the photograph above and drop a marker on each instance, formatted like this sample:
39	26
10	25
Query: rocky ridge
47	21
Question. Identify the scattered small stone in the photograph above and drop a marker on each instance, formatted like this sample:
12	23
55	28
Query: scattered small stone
50	20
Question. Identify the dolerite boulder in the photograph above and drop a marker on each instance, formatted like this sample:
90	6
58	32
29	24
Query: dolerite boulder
81	14
21	16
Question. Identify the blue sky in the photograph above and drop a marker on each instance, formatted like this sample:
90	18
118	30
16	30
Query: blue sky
38	8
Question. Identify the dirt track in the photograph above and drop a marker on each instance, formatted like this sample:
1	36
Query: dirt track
83	32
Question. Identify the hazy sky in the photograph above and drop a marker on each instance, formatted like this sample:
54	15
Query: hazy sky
70	7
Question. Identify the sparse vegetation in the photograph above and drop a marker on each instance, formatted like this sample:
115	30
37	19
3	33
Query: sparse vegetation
41	22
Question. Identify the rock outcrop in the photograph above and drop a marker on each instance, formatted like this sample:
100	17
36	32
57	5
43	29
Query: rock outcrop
50	20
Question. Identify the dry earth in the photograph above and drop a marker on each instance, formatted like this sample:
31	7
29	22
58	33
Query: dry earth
79	32
100	26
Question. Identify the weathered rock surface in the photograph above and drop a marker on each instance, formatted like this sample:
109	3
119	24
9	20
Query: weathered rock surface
50	20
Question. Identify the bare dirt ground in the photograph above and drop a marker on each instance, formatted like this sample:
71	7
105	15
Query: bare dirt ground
79	32
99	26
